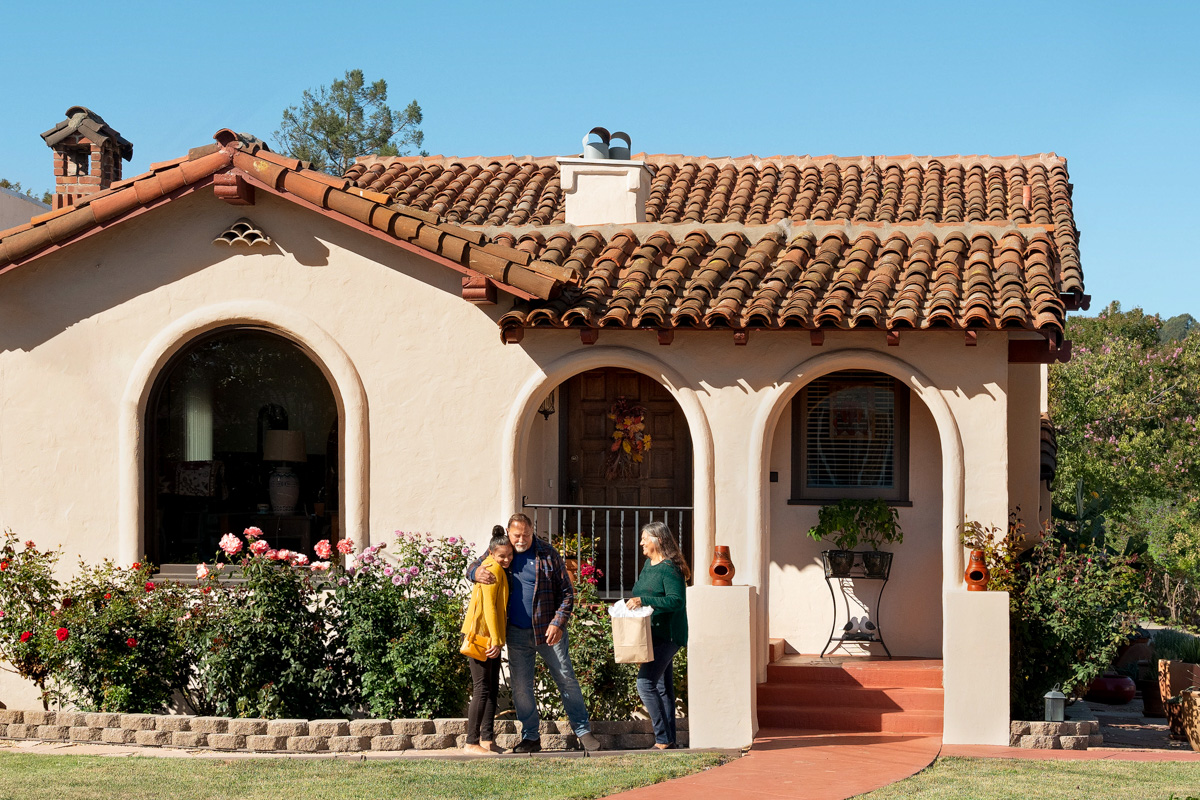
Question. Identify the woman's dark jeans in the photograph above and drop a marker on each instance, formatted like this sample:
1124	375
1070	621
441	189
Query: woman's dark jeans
656	687
481	714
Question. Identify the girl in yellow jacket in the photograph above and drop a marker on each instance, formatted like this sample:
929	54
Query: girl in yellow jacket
484	625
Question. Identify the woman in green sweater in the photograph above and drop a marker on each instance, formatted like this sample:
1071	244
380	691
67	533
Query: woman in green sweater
662	585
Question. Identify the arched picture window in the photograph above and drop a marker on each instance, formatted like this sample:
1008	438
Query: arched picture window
242	429
850	438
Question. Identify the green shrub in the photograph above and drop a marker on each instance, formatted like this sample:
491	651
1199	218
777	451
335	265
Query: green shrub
1072	606
28	604
1173	645
123	651
263	647
402	616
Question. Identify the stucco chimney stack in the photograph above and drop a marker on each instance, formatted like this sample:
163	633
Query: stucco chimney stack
604	186
87	155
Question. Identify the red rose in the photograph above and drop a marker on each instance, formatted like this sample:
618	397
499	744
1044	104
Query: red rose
136	565
62	634
132	642
3	565
206	589
25	636
149	586
108	595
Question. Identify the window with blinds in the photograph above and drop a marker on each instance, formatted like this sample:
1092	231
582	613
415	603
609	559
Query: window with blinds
850	437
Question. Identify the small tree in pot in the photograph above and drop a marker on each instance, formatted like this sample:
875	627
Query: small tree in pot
848	522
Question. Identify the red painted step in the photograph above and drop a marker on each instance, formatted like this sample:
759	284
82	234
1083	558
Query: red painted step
851	720
853	695
887	699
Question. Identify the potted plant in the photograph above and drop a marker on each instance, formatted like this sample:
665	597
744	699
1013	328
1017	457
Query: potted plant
848	522
1178	655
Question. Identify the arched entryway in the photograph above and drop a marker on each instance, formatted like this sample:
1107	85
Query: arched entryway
674	476
242	428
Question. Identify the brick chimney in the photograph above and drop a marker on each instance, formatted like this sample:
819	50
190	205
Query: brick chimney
87	155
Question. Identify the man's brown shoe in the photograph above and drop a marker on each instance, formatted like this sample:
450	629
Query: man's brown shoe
590	742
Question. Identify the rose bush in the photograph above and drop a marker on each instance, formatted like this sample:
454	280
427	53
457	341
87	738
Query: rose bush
28	605
401	611
121	649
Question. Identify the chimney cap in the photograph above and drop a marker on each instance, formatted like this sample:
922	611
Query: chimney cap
91	126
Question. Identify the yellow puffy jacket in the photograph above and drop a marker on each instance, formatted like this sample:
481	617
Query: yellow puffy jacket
487	613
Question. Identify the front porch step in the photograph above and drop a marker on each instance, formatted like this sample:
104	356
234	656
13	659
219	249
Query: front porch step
851	720
853	695
845	696
923	673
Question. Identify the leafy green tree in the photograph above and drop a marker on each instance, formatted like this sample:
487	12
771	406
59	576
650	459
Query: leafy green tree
1177	328
1127	411
349	118
5	183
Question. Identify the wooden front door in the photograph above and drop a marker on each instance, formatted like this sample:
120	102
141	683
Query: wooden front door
662	479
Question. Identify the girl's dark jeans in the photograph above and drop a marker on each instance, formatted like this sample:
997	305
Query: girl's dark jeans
481	715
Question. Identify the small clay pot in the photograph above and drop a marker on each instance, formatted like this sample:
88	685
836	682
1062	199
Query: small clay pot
572	565
721	570
977	573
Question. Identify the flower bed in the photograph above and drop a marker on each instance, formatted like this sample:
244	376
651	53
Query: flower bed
293	638
301	735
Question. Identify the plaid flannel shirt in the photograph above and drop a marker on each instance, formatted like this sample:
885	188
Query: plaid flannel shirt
553	594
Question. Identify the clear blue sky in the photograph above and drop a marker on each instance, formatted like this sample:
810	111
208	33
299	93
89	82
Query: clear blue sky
1114	87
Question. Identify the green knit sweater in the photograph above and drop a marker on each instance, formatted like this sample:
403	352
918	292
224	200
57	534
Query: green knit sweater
661	586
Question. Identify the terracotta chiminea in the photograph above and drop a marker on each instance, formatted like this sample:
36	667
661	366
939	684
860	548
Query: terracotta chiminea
721	570
977	573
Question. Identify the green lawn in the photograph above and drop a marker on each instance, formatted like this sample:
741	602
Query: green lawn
1001	779
41	777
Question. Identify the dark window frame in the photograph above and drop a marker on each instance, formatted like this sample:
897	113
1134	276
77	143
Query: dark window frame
802	494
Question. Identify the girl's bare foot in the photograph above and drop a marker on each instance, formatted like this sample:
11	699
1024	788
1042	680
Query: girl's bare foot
490	746
476	750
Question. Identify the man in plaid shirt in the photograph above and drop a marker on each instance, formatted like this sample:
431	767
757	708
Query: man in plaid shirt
540	600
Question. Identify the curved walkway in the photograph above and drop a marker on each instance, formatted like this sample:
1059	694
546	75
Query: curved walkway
816	766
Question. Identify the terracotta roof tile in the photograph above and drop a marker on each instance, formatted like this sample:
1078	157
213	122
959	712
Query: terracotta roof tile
754	191
469	249
812	280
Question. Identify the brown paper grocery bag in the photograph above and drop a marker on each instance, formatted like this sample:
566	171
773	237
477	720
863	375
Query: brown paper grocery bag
631	640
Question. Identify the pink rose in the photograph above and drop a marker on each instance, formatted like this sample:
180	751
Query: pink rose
252	532
323	549
283	554
300	560
345	547
259	546
231	544
271	555
201	571
319	566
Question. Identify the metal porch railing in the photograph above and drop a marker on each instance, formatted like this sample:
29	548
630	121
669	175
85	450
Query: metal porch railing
609	536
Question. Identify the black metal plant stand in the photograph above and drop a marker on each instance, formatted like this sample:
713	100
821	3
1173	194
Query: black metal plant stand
857	572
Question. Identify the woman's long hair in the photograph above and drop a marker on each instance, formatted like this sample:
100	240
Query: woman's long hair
668	547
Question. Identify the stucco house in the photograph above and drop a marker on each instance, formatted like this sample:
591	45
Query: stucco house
432	343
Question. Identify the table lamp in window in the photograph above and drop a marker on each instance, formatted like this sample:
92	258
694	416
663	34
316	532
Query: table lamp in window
283	487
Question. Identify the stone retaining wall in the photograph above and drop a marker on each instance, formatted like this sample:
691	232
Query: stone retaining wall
302	735
1055	735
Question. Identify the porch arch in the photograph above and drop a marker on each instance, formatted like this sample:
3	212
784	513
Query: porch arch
771	409
556	372
348	393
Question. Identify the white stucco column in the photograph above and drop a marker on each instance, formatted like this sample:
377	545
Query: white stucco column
975	668
722	684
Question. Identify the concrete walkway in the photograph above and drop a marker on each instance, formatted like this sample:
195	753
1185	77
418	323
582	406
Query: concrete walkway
816	766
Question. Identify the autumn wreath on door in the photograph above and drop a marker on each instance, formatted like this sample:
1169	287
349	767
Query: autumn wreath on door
630	440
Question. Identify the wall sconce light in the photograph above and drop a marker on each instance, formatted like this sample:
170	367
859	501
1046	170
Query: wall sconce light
547	406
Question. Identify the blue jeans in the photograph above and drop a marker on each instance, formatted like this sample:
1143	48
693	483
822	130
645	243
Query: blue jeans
656	687
521	650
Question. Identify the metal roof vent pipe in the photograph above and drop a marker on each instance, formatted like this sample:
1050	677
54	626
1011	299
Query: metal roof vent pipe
619	145
596	150
604	186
